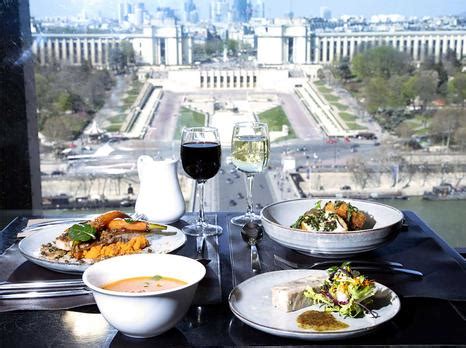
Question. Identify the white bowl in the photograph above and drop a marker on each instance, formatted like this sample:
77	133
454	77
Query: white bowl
144	314
277	218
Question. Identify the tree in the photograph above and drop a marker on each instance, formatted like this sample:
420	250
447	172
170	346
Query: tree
426	86
232	47
128	52
343	69
452	64
396	97
383	61
444	123
321	74
377	93
457	88
361	171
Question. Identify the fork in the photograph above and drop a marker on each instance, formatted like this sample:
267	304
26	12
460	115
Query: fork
372	266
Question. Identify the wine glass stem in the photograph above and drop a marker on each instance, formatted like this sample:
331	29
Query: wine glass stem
200	190
249	182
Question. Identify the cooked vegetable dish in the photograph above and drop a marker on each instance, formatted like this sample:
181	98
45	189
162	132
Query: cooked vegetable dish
110	234
338	216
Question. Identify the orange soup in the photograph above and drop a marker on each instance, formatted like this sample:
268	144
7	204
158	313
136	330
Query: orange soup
144	284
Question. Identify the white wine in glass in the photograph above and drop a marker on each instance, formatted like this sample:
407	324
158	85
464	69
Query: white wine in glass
250	149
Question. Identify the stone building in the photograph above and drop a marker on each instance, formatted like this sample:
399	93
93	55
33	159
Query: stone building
168	45
297	44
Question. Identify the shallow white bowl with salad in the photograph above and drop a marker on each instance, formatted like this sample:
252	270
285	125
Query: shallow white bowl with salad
382	224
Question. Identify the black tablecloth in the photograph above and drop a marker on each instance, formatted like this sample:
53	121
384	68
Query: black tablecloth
416	247
421	321
15	268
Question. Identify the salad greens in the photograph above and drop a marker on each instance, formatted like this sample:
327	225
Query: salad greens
345	291
82	232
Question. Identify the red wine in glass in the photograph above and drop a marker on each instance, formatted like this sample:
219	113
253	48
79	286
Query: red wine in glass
201	160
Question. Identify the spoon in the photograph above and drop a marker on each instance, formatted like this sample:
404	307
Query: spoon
252	233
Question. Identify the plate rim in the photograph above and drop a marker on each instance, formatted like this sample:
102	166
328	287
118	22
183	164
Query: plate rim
62	266
309	334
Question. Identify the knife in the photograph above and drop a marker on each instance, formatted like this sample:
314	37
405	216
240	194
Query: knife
45	294
50	284
379	268
356	262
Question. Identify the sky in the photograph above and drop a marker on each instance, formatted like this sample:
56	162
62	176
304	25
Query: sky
273	8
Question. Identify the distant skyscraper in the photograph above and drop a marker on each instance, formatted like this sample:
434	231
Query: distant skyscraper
190	12
139	16
258	9
121	12
218	11
241	11
325	13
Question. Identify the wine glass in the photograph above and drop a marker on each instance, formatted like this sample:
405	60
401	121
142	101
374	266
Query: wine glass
250	149
200	156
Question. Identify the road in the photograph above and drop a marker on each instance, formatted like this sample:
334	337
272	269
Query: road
164	123
303	124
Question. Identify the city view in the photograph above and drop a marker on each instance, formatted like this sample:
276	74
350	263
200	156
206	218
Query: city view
366	105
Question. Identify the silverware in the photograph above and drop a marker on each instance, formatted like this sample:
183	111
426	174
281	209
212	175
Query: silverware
45	294
40	225
47	284
252	233
376	268
353	262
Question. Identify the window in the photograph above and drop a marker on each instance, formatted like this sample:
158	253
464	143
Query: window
101	80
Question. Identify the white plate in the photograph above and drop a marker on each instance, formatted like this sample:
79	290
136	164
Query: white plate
251	302
30	246
277	218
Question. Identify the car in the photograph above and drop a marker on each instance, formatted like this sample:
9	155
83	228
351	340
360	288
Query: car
229	181
345	188
232	203
240	195
57	173
259	206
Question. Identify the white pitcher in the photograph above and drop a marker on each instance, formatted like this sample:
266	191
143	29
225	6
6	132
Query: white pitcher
160	198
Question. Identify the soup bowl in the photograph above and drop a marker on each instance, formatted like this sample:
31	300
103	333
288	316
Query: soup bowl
145	314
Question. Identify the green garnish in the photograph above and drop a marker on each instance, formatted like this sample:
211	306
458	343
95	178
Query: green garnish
82	232
157	277
130	221
153	226
345	291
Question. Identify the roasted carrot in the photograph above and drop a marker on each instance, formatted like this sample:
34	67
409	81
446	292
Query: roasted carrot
101	222
130	225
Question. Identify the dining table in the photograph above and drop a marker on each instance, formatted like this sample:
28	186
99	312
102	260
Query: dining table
432	312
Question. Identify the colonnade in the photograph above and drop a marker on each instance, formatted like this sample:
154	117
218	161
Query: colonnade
74	50
228	79
330	47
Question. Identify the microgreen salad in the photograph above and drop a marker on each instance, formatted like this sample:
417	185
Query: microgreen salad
345	291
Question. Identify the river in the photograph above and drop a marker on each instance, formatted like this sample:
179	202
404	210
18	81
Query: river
444	217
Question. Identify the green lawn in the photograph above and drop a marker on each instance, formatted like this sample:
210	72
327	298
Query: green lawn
319	83
354	125
351	121
129	100
188	118
115	123
331	98
340	106
323	89
275	119
419	125
131	94
347	117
